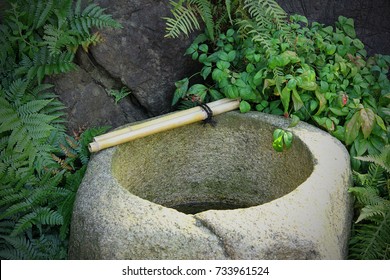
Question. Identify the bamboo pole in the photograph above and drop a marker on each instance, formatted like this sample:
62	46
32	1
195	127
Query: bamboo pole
155	121
163	123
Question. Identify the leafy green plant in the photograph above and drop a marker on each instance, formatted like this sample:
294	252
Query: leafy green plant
282	140
41	166
40	38
187	13
316	73
119	94
371	232
306	71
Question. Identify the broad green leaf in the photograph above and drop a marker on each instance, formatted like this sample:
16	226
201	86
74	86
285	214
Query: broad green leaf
285	98
321	98
297	101
244	106
217	75
367	117
338	112
203	58
277	133
324	86
349	30
292	84
231	91
181	90
204	48
223	56
258	78
295	120
231	56
352	128
263	104
339	133
313	105
287	138
205	72
223	65
277	144
250	68
195	55
330	49
230	32
311	86
199	90
215	94
361	146
357	43
380	122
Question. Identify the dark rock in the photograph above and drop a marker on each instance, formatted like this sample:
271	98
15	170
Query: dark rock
88	104
372	20
139	55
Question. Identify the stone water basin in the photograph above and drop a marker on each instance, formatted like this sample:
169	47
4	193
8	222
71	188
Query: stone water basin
203	192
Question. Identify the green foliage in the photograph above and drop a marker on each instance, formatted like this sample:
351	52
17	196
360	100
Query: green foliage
41	166
40	38
187	13
282	140
119	94
316	73
311	72
371	232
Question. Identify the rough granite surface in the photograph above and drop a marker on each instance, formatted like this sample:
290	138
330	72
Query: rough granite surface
120	215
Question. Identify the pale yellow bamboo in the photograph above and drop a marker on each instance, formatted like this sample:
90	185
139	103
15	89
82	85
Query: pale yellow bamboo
156	120
170	123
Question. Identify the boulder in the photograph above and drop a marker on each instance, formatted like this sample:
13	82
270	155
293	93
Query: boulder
203	192
140	56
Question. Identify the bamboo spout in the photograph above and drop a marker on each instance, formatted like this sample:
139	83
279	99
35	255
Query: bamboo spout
166	122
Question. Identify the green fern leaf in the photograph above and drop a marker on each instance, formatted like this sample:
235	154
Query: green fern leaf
32	107
371	241
383	159
47	216
43	15
184	20
22	249
205	11
46	64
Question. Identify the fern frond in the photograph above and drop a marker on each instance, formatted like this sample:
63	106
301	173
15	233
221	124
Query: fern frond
46	64
42	13
91	16
184	20
371	240
205	8
383	159
21	249
92	40
57	39
258	34
40	216
269	10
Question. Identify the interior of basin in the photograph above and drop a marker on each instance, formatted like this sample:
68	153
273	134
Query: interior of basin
197	168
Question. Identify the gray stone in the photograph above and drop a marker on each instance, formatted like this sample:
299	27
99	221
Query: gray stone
199	192
89	105
140	56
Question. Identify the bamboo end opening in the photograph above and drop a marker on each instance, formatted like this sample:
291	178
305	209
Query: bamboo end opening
93	147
